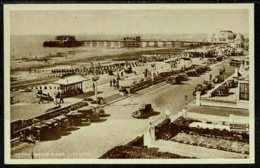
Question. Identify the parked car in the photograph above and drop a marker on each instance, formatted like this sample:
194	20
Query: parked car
63	122
183	76
192	73
98	109
203	88
55	126
143	111
40	131
231	83
88	113
75	118
221	91
175	79
218	79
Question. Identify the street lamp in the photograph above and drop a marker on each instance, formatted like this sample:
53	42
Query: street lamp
153	66
95	79
186	99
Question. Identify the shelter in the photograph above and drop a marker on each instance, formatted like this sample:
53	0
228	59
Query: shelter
71	85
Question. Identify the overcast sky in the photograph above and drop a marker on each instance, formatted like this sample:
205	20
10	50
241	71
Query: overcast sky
128	22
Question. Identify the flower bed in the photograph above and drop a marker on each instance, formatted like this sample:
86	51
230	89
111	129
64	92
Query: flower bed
135	152
215	143
181	125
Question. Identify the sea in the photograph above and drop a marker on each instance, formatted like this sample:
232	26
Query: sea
30	46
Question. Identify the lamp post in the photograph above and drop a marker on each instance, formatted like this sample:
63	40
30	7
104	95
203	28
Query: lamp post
153	65
186	100
95	79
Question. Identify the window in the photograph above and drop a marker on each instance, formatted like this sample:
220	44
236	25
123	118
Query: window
244	91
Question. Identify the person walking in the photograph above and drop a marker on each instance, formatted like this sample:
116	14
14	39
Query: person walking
114	82
61	97
111	83
210	77
93	87
55	99
41	99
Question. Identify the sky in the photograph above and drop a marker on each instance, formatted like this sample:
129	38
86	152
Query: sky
172	21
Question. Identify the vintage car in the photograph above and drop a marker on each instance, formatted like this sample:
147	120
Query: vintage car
231	83
63	122
26	136
99	100
88	113
192	73
175	79
75	118
183	76
203	88
221	91
199	70
40	131
55	126
208	84
98	109
218	79
143	111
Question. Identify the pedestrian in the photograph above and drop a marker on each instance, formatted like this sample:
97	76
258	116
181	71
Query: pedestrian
210	76
49	97
111	83
41	99
55	99
61	97
93	87
117	84
167	113
114	82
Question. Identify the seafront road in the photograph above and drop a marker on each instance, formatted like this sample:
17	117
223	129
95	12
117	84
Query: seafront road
91	141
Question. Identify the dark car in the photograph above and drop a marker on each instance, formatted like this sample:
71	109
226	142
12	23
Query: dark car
63	121
183	76
98	109
175	79
231	83
55	126
40	131
218	79
200	88
88	113
221	91
143	111
192	73
75	118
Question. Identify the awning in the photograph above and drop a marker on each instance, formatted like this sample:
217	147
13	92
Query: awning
70	80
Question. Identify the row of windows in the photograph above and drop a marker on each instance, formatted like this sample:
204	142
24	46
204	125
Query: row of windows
244	91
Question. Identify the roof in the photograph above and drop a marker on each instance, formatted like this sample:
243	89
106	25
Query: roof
70	80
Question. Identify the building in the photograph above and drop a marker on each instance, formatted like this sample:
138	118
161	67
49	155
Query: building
71	85
222	36
243	87
131	42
